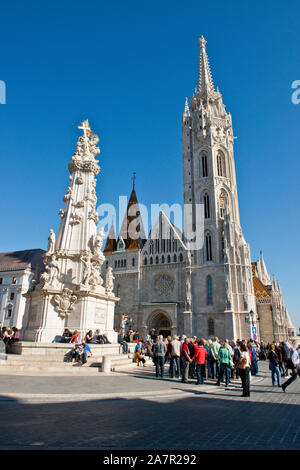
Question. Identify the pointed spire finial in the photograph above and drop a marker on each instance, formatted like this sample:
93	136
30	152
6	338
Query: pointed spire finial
186	108
133	179
205	81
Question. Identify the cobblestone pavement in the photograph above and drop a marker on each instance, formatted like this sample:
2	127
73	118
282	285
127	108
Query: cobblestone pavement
134	410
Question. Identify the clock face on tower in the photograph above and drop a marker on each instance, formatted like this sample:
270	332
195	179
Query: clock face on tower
164	284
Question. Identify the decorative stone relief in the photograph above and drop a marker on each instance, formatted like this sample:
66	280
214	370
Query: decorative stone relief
164	284
93	216
75	219
64	302
69	194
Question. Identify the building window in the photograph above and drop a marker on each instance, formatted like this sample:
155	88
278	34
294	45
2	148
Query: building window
175	258
133	262
1	280
204	166
151	260
222	206
211	327
206	206
221	164
9	311
162	259
14	280
124	263
180	257
209	290
169	259
145	261
208	247
121	263
12	296
156	260
116	264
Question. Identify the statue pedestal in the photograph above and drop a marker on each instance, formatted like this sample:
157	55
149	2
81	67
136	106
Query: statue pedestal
91	311
188	323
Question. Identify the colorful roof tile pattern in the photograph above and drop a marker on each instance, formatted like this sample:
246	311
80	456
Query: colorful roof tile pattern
260	289
131	242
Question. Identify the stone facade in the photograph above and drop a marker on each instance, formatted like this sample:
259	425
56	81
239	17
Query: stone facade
176	285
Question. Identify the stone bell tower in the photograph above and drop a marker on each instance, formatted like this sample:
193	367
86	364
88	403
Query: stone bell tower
71	292
222	289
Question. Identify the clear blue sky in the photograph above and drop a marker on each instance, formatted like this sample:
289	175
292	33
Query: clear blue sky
127	67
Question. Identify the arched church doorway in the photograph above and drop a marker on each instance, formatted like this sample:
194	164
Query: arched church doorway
161	324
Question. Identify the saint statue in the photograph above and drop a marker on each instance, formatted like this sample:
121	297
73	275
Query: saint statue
51	241
109	281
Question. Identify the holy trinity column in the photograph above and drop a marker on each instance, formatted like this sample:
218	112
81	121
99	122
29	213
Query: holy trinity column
71	292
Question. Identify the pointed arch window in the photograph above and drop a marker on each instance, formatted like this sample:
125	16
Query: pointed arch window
221	167
204	165
180	257
175	258
222	206
206	206
145	261
156	260
118	290
162	259
208	247
151	260
169	259
210	327
209	290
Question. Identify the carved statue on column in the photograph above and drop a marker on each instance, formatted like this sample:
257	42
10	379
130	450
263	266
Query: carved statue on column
188	290
87	270
98	241
51	241
109	281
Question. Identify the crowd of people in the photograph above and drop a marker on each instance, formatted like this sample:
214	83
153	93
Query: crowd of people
223	361
190	358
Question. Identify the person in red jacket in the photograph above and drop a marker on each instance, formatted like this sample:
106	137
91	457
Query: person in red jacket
201	356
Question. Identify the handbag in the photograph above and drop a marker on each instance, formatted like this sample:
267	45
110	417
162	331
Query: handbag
242	363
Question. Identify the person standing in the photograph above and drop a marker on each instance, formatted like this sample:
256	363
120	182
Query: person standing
186	360
244	369
201	356
175	356
252	351
224	358
295	362
214	351
160	350
273	366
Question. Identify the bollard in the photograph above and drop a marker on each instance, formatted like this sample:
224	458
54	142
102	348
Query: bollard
2	353
106	364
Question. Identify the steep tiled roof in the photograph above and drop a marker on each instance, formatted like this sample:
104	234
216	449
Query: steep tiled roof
18	260
260	289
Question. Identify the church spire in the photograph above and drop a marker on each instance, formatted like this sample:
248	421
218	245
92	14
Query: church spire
205	81
186	109
132	222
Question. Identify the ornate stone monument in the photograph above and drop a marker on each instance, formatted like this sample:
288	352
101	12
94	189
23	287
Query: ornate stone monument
71	293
